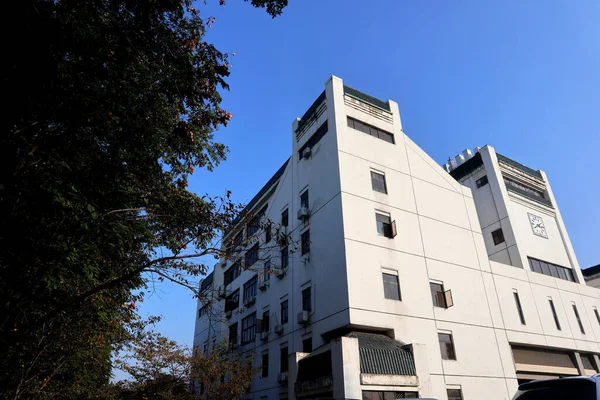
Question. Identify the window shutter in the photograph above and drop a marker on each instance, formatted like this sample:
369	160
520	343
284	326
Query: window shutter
259	326
448	297
394	231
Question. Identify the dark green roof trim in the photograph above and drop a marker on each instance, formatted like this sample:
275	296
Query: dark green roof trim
519	166
258	196
467	167
382	355
530	196
384	105
591	270
311	110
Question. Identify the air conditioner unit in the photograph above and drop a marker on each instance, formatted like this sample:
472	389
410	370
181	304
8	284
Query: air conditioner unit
282	377
303	213
249	301
306	153
228	314
303	318
222	291
279	329
264	336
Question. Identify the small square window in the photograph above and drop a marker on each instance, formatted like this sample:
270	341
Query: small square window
385	226
391	287
481	181
437	295
305	241
378	182
304	199
498	236
446	346
454	394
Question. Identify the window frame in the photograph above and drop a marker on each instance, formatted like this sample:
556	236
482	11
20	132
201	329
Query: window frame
304	199
375	184
454	397
283	359
235	336
304	347
266	321
519	307
230	299
438	296
597	315
232	273
305	242
371	130
391	291
264	366
285	217
307	299
267	270
498	236
578	318
481	182
285	256
203	310
447	348
384	228
554	314
250	288
284	306
248	328
251	256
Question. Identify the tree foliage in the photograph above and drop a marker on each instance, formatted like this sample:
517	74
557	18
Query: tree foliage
113	104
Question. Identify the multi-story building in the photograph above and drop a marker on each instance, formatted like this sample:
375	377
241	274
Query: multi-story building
364	270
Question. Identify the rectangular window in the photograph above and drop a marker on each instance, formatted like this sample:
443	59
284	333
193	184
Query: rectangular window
437	295
233	331
283	359
264	368
391	287
203	311
370	130
597	315
232	301
546	268
285	217
378	182
266	321
253	225
284	311
249	328
232	273
481	181
304	199
578	319
268	233
250	289
498	236
556	321
306	300
305	241
519	308
251	256
267	270
454	394
238	239
307	345
284	258
446	346
385	226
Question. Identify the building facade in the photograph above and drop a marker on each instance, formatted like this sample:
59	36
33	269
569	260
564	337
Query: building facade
364	270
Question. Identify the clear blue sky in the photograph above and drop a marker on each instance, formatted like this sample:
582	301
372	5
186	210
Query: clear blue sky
522	76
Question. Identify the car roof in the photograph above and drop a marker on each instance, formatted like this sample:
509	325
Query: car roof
544	383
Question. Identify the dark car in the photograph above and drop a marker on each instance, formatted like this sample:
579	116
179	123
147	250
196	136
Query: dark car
573	388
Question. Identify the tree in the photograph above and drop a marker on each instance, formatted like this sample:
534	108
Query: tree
162	369
113	104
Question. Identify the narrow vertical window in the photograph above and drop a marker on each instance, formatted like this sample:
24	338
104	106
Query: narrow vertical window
265	365
283	359
597	315
304	199
284	311
447	346
553	309
378	182
267	270
519	308
391	287
307	345
284	257
305	241
578	319
385	226
306	300
285	217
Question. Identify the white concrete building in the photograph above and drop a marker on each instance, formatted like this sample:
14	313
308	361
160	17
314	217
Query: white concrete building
398	281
